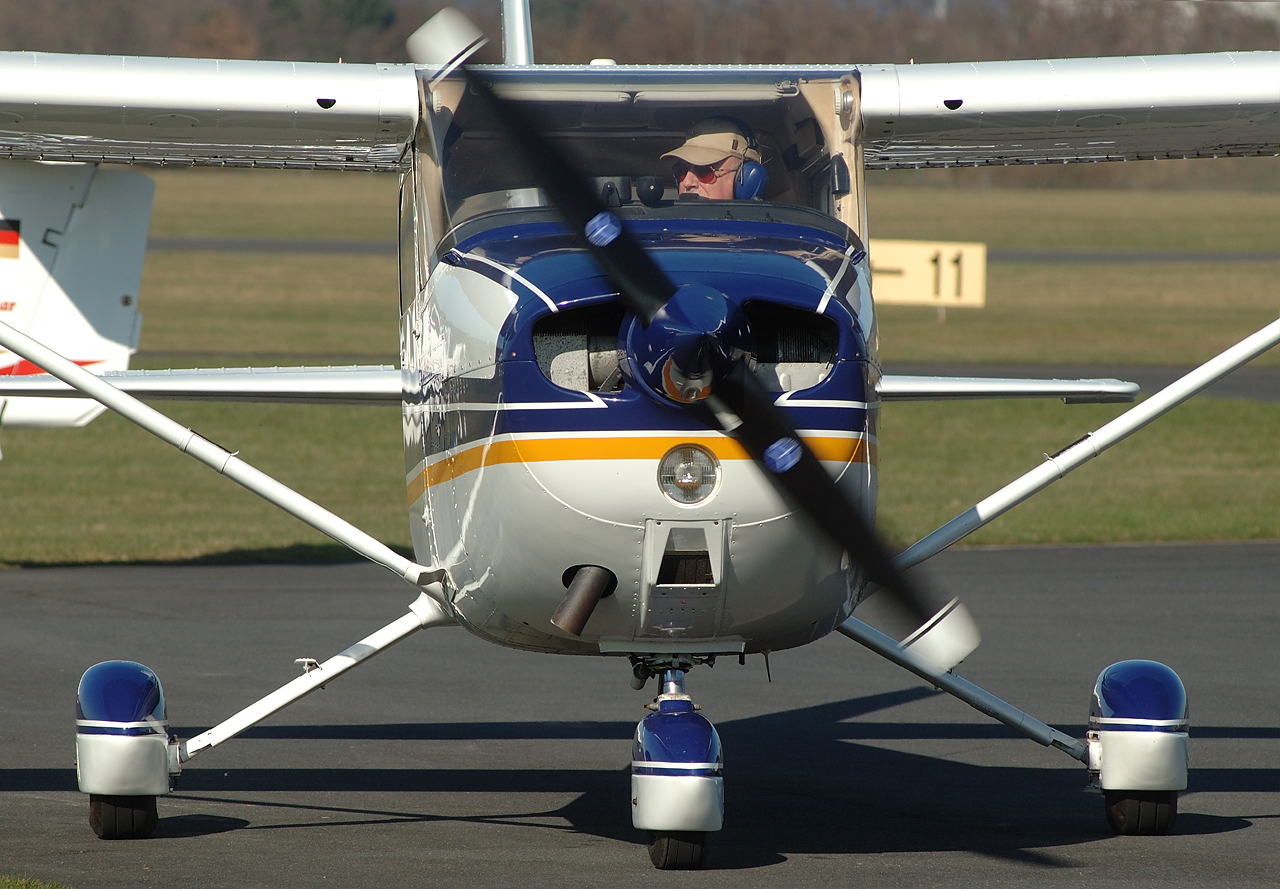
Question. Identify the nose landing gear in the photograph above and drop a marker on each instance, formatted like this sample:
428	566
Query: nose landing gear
677	778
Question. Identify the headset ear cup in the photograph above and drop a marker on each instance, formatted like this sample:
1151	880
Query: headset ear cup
751	181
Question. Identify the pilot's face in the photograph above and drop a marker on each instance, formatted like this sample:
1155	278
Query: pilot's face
713	181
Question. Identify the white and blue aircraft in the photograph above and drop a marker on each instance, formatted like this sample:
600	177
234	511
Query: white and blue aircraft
634	426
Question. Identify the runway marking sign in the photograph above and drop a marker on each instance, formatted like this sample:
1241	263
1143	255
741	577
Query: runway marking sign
946	274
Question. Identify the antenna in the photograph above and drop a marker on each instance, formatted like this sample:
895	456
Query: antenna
517	33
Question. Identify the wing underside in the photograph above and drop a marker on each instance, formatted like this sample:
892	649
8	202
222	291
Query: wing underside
128	109
1071	110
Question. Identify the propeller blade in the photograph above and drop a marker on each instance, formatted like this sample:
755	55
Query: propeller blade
644	287
771	440
447	40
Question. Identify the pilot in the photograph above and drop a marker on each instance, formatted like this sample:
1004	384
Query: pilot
720	161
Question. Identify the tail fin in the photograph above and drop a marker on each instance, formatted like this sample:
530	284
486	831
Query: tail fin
72	242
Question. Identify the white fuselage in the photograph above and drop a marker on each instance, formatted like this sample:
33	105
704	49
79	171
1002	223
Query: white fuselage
513	480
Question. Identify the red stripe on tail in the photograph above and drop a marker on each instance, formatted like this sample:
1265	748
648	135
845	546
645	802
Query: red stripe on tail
24	368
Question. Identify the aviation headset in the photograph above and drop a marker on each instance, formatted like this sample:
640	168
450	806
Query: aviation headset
752	176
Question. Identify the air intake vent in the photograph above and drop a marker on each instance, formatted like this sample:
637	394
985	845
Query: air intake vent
685	568
578	349
795	348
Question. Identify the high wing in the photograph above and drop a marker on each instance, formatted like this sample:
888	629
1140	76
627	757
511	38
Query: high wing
205	111
381	385
245	113
1071	110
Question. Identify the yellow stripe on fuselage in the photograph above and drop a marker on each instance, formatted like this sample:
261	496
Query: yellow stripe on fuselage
830	449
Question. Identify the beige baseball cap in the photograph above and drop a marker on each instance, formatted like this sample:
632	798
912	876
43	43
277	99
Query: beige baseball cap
713	140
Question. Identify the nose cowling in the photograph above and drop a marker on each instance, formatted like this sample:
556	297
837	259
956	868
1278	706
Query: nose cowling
694	341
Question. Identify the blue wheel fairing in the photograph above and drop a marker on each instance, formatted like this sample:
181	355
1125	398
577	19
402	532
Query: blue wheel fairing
122	692
1138	696
678	737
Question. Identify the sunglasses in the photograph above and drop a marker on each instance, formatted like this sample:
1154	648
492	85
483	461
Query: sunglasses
705	173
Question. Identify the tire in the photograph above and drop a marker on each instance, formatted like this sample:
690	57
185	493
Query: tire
677	850
1141	813
122	817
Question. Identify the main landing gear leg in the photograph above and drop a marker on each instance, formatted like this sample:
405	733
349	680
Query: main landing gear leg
1136	748
125	756
677	777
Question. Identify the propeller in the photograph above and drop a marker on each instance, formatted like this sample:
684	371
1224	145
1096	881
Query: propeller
690	343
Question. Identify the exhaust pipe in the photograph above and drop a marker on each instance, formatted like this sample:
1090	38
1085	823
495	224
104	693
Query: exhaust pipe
587	584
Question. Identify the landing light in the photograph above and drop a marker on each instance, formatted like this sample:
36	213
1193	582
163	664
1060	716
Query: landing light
688	474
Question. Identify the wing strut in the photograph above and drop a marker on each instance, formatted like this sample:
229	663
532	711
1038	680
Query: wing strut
1093	444
224	462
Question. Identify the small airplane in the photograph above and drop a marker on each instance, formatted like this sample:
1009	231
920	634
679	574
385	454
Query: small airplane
638	423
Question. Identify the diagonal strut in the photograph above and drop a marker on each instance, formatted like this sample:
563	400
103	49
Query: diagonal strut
1093	444
223	462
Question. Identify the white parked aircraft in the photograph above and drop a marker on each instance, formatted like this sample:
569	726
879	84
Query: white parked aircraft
635	426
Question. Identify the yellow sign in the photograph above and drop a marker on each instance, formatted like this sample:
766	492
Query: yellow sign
929	273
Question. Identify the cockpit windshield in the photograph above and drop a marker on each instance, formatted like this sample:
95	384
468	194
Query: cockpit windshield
616	123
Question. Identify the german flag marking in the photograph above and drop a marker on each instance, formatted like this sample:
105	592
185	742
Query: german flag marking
10	238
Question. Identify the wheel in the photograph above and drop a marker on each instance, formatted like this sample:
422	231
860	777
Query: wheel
1141	812
122	817
677	850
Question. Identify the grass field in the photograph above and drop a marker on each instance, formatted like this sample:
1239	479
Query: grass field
111	493
275	204
23	883
1093	314
1207	471
1228	221
279	308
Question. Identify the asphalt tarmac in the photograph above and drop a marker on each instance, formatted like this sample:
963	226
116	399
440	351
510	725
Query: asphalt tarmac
447	761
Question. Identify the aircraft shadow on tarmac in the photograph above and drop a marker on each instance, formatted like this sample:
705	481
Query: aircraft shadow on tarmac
184	826
801	781
294	554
